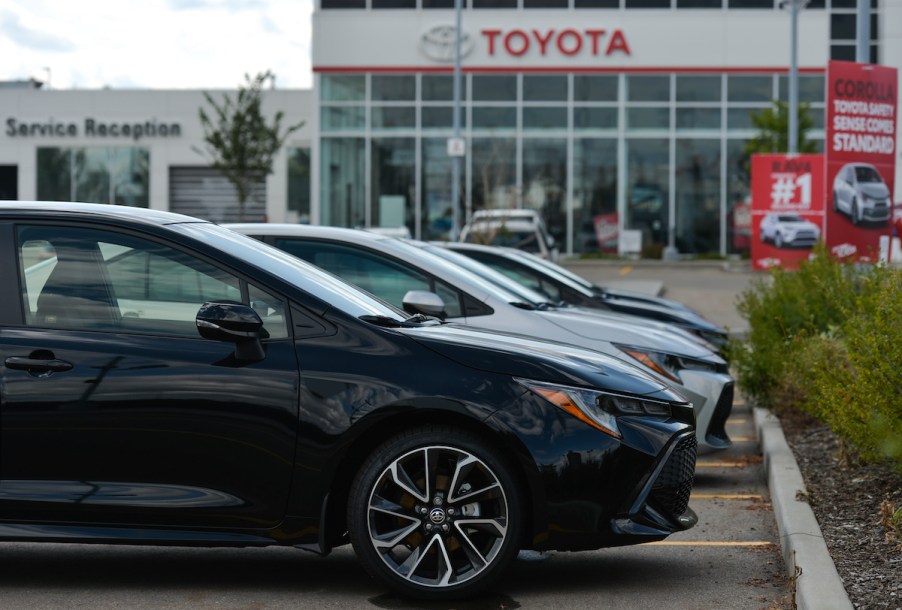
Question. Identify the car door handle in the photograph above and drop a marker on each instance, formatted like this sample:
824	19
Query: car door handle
37	364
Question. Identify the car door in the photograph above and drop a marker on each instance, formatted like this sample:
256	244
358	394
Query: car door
113	410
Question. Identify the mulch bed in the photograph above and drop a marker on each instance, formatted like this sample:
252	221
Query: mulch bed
846	497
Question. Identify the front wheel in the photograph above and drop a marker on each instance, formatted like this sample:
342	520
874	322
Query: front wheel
434	514
856	219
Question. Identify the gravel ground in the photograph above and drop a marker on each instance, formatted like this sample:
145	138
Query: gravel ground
846	499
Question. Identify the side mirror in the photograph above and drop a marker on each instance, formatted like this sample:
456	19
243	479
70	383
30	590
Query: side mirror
424	302
233	322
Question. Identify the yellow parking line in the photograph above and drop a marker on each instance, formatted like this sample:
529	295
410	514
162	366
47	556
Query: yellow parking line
727	496
743	439
709	543
626	270
738	420
720	465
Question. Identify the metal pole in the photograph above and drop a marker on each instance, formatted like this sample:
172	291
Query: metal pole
794	7
863	31
455	161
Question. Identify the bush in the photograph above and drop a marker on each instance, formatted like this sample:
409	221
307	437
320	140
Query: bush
826	339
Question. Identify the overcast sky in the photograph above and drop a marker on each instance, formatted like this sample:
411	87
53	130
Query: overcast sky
155	44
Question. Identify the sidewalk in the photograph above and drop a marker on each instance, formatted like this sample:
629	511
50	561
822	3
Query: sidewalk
712	288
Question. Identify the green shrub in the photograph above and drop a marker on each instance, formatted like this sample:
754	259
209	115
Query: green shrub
827	339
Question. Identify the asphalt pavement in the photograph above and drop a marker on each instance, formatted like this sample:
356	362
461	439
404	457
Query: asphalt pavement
713	288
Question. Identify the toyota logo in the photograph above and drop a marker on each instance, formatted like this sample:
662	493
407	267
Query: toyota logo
437	515
438	43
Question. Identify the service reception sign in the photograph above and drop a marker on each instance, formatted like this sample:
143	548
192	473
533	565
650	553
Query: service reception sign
861	157
787	208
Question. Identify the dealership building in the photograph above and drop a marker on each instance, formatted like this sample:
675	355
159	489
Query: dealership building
604	115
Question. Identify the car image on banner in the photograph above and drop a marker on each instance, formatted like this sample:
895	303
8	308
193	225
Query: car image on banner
860	151
788	230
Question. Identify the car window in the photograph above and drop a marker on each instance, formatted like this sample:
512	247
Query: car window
101	280
387	279
864	173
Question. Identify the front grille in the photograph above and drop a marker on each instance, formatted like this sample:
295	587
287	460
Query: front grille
670	493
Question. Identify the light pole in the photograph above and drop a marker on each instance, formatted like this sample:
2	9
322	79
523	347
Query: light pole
795	6
456	150
863	31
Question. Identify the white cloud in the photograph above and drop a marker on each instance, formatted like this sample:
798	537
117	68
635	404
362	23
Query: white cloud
159	44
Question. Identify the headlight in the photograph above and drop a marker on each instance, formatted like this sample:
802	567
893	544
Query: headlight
670	365
596	408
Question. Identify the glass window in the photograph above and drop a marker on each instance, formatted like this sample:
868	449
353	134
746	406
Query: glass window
751	4
741	118
544	88
590	88
342	87
699	3
494	173
441	117
698	88
595	219
811	88
442	3
648	118
388	88
494	3
392	182
647	3
739	200
342	118
544	118
394	117
595	118
698	118
99	280
546	3
842	52
94	175
596	3
299	183
342	179
648	192
494	117
339	4
643	88
378	4
698	196
436	217
842	26
749	88
494	88
545	182
439	88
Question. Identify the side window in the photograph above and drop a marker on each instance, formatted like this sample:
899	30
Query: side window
92	279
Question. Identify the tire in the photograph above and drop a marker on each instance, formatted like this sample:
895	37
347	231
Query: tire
434	513
854	212
835	204
778	240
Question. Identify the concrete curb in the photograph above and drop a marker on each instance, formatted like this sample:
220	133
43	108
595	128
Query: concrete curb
817	586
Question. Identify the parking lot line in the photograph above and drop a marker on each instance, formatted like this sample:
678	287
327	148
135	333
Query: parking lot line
710	543
720	465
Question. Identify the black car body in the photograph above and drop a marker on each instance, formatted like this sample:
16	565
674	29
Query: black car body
559	284
167	381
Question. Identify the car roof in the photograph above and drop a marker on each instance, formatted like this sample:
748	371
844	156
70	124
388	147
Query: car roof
299	230
146	215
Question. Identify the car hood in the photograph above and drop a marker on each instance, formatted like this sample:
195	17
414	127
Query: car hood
875	190
522	356
623	332
651	308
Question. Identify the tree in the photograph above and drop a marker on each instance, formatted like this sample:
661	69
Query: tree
773	130
238	140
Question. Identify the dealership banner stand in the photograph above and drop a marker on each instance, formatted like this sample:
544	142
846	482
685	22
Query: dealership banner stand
860	158
787	208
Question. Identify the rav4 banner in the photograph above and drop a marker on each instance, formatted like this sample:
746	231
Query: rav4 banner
787	208
861	157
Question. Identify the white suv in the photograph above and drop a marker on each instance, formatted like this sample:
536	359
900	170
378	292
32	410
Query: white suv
786	229
521	229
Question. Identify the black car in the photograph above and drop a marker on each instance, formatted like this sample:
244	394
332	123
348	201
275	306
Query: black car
559	284
164	381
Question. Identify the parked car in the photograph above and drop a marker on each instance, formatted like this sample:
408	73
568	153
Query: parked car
168	381
407	274
521	229
561	285
788	230
860	192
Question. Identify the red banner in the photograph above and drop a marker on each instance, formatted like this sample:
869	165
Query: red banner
787	208
861	157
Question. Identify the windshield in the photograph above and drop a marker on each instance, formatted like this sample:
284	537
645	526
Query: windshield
789	218
865	173
313	280
526	295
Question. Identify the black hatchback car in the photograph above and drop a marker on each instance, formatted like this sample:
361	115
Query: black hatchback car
167	381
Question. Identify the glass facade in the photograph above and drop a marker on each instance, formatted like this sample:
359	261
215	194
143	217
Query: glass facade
661	154
119	176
